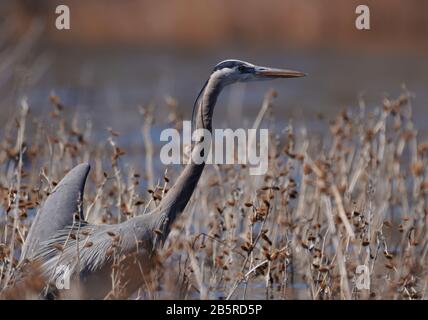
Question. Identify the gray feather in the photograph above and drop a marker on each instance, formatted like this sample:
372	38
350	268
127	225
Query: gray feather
58	210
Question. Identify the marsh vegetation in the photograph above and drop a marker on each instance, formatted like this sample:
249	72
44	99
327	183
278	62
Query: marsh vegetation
328	203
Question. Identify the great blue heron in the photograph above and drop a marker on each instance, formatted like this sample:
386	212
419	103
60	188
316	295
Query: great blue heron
60	237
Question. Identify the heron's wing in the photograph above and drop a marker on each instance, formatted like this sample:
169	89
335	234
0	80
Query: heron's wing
58	209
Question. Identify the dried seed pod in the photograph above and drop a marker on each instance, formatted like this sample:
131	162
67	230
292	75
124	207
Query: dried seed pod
274	255
389	265
307	170
139	203
111	234
387	223
388	255
58	246
417	168
231	203
266	238
246	246
158	232
109	252
157	197
324	268
88	244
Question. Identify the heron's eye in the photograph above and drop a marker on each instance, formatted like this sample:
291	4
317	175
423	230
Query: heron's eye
242	68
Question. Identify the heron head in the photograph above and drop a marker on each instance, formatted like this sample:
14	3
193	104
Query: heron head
231	71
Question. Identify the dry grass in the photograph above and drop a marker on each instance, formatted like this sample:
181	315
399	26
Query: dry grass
356	196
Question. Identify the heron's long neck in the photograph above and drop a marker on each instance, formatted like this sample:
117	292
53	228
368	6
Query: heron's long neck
179	195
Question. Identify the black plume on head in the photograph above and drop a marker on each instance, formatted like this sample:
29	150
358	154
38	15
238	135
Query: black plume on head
228	64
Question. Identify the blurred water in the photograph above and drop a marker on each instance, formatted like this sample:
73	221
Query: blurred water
108	85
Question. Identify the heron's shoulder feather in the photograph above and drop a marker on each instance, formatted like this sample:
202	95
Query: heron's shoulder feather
84	247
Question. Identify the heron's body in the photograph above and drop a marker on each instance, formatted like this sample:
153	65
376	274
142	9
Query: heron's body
92	252
129	245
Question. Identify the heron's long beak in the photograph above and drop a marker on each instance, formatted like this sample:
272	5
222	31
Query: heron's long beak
267	72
